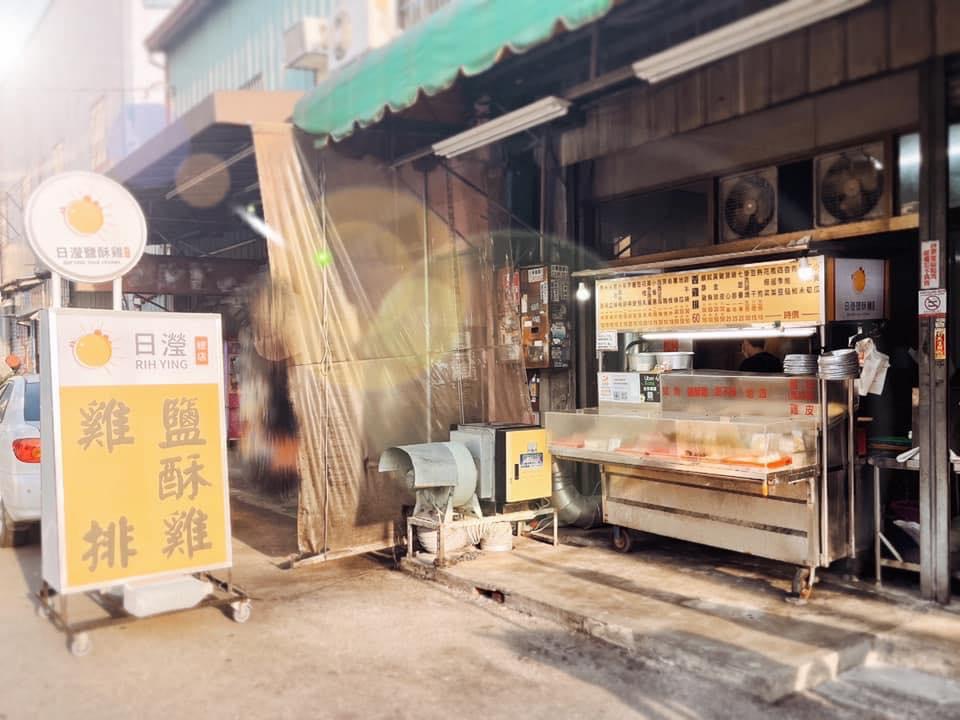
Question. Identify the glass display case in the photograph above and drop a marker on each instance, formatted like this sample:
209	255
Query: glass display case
745	447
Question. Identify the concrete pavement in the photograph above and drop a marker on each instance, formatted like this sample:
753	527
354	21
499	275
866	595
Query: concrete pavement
355	639
718	615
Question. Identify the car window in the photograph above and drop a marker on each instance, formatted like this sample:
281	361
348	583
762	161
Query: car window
31	402
5	399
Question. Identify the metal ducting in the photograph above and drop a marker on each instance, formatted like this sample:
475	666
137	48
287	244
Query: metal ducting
573	507
434	466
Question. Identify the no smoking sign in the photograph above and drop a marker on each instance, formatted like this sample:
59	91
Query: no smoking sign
933	303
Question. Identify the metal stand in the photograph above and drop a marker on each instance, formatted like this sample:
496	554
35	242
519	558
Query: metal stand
225	596
520	517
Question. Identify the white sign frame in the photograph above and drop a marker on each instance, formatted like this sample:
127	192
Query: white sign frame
932	303
53	546
41	237
873	268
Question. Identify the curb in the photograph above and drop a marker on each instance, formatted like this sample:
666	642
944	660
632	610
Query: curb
768	680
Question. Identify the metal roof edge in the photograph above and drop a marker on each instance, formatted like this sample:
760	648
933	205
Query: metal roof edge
176	23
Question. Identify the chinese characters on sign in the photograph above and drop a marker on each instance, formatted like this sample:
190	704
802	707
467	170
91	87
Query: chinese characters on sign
105	423
929	264
110	544
141	437
765	293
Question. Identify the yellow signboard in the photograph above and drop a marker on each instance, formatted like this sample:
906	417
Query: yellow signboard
758	294
134	454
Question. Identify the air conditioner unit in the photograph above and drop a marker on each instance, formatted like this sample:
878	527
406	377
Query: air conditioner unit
748	204
306	45
852	185
358	26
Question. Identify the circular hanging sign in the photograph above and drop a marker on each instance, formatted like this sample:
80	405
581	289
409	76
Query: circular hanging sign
85	227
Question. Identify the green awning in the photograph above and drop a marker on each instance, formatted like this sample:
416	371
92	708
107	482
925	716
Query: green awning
466	36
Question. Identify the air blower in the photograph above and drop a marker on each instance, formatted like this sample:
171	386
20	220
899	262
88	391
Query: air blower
442	475
498	464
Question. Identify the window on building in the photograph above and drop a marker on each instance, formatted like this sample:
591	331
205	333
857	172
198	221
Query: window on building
410	12
908	165
26	187
98	134
671	219
56	159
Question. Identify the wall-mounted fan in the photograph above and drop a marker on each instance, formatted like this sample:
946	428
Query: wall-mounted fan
852	185
748	204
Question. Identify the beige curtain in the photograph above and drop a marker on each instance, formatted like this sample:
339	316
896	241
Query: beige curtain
390	322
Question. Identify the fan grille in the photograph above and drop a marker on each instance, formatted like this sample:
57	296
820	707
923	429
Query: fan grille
852	186
749	205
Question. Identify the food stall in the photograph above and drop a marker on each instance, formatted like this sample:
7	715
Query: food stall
756	463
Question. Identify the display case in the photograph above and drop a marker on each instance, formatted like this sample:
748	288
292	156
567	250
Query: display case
731	460
745	447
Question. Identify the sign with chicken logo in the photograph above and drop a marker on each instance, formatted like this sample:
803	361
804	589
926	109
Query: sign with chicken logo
134	472
859	289
85	227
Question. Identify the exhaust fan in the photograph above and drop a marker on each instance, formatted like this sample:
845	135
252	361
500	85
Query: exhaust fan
748	204
851	185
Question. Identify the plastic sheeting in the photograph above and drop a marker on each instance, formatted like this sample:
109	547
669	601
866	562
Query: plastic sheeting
387	324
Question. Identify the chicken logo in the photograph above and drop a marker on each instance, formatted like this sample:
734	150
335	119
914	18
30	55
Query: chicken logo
84	216
859	280
93	350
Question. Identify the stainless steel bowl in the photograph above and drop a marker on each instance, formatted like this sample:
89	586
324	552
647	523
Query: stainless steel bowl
641	362
675	360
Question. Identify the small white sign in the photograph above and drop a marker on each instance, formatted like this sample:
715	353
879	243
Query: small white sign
607	341
619	387
933	303
930	264
85	227
859	289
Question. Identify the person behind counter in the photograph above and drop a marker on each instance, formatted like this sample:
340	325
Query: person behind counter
756	359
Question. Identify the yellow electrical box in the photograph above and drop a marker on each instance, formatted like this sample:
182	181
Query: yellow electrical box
524	466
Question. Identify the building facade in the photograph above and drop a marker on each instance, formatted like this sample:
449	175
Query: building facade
84	94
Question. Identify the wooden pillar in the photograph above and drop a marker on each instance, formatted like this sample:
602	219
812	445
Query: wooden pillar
933	437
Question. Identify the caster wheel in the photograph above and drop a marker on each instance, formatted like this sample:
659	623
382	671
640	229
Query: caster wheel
622	541
801	586
80	645
241	610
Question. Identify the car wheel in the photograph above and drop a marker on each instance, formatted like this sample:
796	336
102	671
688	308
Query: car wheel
7	529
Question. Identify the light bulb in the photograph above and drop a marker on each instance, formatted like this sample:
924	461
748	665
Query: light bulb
583	293
804	271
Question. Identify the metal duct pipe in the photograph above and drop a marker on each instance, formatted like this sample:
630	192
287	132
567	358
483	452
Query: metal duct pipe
573	508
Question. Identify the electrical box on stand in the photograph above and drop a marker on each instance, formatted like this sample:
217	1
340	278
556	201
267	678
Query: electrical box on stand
514	461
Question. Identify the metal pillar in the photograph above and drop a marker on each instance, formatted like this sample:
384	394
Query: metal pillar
932	417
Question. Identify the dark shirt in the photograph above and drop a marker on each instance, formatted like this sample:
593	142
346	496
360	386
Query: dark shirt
762	362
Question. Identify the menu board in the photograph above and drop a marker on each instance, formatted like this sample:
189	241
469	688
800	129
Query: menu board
757	294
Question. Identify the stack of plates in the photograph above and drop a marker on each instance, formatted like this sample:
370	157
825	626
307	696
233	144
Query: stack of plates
839	365
800	365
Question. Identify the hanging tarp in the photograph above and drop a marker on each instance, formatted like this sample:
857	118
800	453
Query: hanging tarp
465	37
384	319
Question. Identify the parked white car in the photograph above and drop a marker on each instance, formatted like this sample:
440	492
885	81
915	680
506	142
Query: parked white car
19	456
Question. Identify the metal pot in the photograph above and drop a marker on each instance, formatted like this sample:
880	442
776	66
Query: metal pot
639	361
675	360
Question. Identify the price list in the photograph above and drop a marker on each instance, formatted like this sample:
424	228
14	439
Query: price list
763	293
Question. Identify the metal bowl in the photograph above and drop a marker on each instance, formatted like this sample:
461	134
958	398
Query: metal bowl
641	362
675	360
